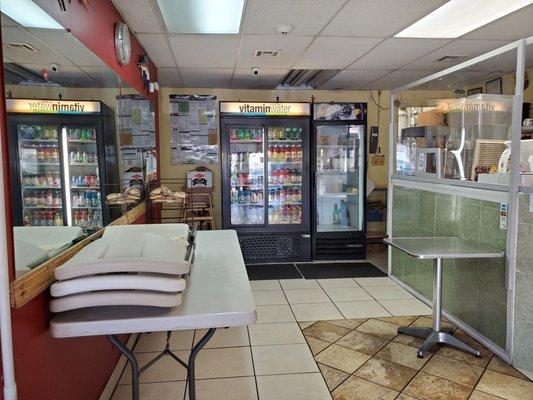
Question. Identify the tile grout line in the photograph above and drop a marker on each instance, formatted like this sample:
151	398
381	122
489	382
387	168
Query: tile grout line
253	364
335	305
298	269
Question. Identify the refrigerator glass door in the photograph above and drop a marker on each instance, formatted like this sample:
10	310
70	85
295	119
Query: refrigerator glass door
247	190
82	180
285	168
339	178
40	175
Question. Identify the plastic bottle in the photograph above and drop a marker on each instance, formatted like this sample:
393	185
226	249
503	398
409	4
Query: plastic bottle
336	214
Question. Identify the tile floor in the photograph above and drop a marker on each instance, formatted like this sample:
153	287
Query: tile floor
324	339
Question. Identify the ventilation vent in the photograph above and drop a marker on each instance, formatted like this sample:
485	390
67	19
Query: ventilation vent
450	59
22	46
266	53
306	78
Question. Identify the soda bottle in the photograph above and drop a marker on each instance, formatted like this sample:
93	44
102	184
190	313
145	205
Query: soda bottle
58	221
233	134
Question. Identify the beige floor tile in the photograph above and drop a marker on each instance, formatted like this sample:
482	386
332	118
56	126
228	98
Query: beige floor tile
379	328
224	363
429	387
316	345
271	284
152	391
315	312
164	370
389	292
242	388
332	376
342	358
290	387
305	324
386	373
224	337
401	354
505	386
337	283
274	313
362	309
347	323
409	340
402	321
466	357
306	296
156	341
478	395
362	342
347	294
368	282
406	307
278	333
325	331
283	359
299	284
405	397
427	322
453	370
498	365
269	297
355	388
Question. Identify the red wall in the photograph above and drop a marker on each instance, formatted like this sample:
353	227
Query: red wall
68	369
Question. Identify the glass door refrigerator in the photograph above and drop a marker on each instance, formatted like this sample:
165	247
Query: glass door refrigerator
265	179
339	180
63	162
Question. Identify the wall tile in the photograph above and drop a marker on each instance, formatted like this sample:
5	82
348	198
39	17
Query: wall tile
524	296
426	218
410	272
492	319
467	270
523	343
490	233
426	275
524	255
465	303
468	220
397	263
445	215
411	200
525	216
492	278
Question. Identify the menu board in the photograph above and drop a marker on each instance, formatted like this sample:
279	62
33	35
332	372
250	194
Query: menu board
194	133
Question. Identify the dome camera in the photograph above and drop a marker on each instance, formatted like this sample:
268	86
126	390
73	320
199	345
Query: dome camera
54	67
256	71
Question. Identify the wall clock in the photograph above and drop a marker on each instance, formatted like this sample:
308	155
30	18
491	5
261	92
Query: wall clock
122	43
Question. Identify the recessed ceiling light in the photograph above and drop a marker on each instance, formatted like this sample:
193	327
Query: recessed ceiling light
28	14
458	17
202	16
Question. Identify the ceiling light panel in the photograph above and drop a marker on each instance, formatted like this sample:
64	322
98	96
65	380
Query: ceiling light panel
28	14
202	16
458	17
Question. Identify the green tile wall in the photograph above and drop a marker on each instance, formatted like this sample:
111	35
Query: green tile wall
473	289
523	321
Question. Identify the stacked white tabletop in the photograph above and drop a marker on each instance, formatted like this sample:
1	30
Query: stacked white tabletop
132	265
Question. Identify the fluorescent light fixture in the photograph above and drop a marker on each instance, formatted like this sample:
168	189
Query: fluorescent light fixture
458	17
28	14
202	16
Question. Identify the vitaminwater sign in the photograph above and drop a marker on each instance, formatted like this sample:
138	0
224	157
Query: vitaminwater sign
265	109
41	106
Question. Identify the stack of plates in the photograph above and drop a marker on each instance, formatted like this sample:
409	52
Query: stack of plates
144	269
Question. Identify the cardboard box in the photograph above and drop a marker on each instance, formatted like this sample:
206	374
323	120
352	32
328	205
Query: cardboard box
199	179
430	118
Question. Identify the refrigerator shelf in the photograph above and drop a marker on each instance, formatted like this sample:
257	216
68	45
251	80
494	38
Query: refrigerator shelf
52	141
275	185
82	164
41	187
284	203
332	173
285	163
82	141
85	208
85	187
35	162
251	141
336	146
248	204
338	194
277	141
42	207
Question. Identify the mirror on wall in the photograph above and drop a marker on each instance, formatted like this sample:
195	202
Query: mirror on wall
65	156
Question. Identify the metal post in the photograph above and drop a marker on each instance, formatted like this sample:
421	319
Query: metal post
134	367
437	295
192	358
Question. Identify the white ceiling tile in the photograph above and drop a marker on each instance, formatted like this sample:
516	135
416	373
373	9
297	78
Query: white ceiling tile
395	52
352	79
139	15
69	46
267	79
378	18
396	79
307	16
157	48
169	77
459	47
514	26
334	52
202	77
104	77
197	51
291	48
45	55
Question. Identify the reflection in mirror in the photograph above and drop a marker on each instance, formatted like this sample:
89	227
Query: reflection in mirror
459	125
63	135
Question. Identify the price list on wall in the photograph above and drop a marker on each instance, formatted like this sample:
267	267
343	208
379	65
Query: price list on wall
194	133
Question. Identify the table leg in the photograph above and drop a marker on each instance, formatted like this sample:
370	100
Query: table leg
192	358
133	362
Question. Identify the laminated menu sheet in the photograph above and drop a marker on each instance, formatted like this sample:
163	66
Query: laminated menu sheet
194	133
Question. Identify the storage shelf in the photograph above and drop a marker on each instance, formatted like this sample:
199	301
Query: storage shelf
338	194
280	141
41	187
81	141
42	207
85	208
39	141
246	141
248	204
85	187
83	164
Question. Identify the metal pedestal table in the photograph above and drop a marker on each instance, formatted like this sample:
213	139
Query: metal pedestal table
438	249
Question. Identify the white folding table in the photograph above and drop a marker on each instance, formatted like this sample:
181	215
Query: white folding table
218	295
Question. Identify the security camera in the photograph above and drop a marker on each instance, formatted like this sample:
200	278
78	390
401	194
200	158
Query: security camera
54	67
256	71
285	29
